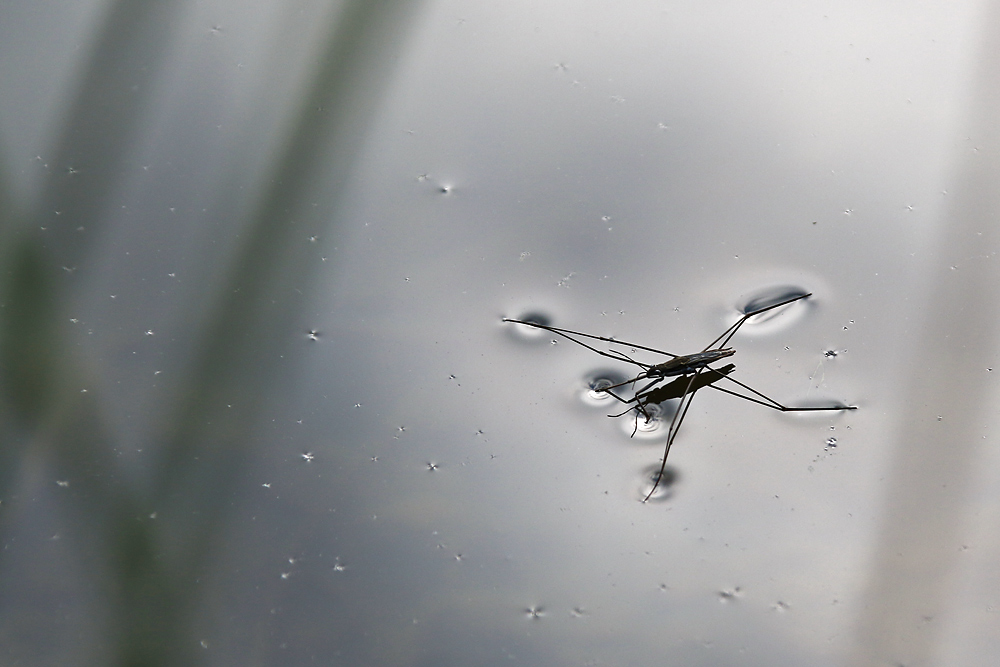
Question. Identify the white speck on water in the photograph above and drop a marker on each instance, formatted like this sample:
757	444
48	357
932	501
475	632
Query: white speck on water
730	595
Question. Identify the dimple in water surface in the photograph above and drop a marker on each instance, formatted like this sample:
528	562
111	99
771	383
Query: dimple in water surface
658	486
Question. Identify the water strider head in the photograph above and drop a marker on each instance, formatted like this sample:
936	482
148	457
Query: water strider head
688	363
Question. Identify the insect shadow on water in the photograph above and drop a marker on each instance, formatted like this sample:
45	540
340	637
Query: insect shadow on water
692	372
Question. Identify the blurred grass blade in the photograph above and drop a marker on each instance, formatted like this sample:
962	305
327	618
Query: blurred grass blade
28	340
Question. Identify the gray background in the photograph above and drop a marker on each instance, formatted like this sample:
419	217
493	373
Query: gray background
259	406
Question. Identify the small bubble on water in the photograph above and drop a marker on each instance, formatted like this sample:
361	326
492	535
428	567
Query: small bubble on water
64	483
730	595
534	612
308	457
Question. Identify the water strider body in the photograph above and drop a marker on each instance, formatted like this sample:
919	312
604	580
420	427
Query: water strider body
692	372
688	363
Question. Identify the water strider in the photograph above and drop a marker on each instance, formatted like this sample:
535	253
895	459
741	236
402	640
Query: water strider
692	372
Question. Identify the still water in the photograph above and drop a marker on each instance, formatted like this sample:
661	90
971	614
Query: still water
289	426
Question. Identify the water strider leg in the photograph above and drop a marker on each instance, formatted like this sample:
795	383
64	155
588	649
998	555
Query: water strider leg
613	354
773	404
675	426
563	332
731	331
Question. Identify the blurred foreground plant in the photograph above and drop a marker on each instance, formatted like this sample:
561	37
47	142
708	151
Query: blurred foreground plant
146	541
